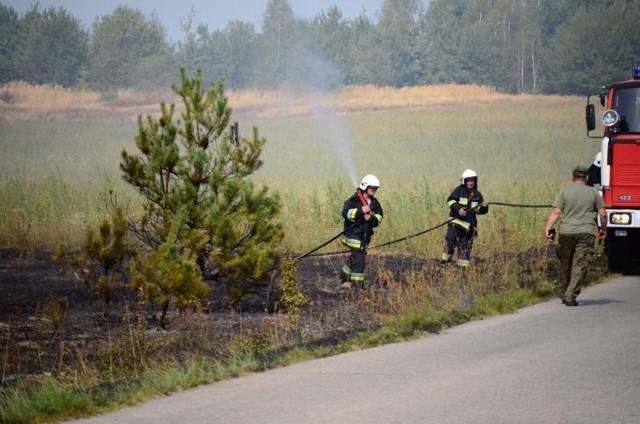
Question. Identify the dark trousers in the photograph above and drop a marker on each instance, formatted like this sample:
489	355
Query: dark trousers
575	252
353	270
458	237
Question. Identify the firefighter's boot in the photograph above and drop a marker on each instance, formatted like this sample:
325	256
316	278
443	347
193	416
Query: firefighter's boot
344	280
445	258
344	277
463	263
345	285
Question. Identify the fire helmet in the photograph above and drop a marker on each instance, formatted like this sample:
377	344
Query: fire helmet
598	160
468	173
369	181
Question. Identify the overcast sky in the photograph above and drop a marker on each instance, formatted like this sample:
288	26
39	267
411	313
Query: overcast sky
214	13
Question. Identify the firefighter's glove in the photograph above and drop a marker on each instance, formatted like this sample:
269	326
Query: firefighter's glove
366	210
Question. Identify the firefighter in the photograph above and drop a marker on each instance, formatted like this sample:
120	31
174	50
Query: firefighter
362	213
465	202
593	173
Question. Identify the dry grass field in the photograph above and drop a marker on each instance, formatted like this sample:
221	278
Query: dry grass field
20	101
61	149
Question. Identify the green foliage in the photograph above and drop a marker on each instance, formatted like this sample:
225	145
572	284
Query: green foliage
168	275
529	46
46	403
250	347
502	303
421	319
544	290
401	48
104	256
124	47
8	43
238	47
326	36
574	72
193	176
228	54
360	51
108	247
50	47
280	44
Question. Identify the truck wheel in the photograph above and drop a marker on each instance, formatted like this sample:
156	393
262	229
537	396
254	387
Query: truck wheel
618	253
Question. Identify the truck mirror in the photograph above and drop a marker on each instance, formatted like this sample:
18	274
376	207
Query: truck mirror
591	117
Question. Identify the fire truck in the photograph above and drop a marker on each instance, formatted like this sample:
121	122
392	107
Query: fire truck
620	168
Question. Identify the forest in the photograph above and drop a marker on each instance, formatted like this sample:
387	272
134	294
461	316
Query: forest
516	46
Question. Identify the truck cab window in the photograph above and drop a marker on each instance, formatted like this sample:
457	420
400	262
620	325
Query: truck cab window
626	101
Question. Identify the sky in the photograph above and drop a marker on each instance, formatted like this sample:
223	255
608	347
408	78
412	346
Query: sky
216	14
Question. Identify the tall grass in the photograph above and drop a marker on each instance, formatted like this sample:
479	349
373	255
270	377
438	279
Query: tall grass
56	178
55	173
522	147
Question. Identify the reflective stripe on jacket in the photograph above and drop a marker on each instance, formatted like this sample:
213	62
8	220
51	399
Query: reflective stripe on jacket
460	198
355	225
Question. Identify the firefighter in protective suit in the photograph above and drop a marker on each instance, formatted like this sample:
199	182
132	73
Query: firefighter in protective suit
362	213
594	171
465	202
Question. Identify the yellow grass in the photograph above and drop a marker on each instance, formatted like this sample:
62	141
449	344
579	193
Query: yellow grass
20	95
422	95
20	101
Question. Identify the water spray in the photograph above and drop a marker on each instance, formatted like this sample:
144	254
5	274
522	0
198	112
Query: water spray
338	138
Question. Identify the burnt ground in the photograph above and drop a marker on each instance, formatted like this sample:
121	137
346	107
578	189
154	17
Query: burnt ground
51	321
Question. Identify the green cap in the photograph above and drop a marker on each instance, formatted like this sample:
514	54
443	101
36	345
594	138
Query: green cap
580	171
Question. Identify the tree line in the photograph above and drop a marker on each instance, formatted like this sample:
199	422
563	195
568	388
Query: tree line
516	46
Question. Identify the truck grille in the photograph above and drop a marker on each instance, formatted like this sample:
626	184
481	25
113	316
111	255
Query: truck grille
627	175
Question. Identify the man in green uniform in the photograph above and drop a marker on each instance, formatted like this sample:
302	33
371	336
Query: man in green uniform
576	206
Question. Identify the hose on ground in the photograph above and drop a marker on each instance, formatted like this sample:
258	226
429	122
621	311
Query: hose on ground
310	253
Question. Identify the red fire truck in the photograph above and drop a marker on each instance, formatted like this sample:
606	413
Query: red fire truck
620	169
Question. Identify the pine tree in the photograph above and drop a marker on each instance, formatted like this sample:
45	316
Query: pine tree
192	173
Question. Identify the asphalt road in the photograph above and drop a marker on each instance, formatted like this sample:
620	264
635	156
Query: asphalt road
547	363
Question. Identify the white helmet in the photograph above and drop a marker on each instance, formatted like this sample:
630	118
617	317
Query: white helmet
598	160
468	173
369	181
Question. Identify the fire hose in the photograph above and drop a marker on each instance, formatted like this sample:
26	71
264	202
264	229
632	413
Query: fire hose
363	202
310	253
